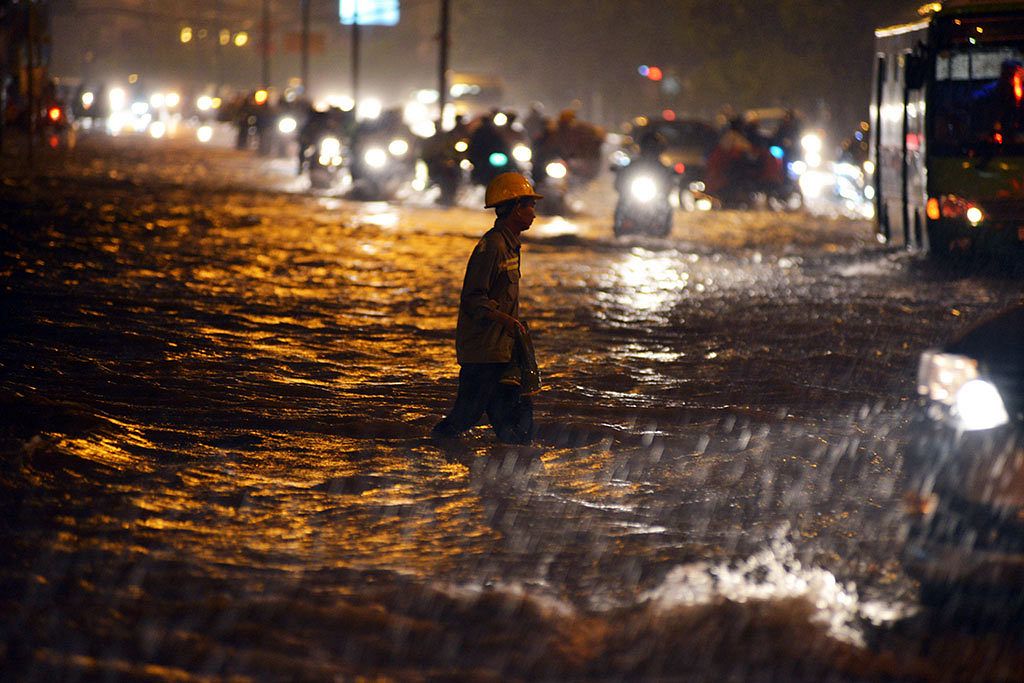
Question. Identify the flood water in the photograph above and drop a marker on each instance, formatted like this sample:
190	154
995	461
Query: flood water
217	389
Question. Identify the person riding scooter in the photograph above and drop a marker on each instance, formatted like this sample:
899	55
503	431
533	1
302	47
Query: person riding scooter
644	188
741	167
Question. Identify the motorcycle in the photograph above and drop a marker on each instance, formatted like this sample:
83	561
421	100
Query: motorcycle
643	206
445	164
497	146
383	159
325	162
749	179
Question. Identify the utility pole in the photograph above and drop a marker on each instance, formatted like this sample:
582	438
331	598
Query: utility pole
355	56
442	65
266	44
304	69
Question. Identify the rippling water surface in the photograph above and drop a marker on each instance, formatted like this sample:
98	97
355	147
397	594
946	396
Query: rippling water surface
218	389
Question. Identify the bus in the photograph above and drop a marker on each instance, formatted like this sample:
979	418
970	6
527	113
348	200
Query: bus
947	129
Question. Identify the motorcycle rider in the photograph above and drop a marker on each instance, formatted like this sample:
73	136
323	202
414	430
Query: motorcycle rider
653	215
489	331
485	140
318	124
443	158
741	165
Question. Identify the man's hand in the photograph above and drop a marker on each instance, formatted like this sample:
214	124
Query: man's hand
508	323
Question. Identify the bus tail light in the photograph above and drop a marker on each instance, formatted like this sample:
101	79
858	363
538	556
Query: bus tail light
952	206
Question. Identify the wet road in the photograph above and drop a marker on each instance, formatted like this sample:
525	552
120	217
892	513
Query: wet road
217	389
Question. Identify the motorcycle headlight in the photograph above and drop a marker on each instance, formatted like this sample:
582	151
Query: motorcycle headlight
398	147
522	153
953	380
287	125
330	151
556	170
375	157
643	189
204	133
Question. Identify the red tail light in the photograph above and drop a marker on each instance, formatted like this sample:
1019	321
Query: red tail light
54	114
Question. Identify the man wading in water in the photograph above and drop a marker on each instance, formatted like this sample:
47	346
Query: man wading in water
491	345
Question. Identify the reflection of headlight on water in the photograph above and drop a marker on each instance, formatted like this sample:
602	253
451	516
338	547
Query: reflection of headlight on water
398	147
556	170
522	153
287	125
643	189
814	183
204	133
375	157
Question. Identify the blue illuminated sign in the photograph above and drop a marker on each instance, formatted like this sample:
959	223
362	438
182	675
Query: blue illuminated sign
368	12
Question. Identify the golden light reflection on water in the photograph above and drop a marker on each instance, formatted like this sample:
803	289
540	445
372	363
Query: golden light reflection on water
648	283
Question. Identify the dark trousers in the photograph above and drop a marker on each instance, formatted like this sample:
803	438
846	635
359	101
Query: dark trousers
480	391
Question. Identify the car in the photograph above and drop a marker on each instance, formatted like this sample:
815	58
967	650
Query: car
965	470
688	142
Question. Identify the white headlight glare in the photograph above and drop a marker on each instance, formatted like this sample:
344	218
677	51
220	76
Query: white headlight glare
287	125
979	406
375	157
522	153
330	151
398	147
556	170
643	189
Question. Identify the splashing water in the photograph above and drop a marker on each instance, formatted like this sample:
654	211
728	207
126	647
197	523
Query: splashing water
775	574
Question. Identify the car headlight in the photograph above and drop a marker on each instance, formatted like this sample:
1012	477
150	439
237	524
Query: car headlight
953	380
556	170
375	157
398	147
287	125
643	189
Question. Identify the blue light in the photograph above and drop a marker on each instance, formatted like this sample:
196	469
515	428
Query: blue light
368	12
498	159
644	70
776	151
859	136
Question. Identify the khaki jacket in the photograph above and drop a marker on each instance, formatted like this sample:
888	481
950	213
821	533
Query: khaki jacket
491	283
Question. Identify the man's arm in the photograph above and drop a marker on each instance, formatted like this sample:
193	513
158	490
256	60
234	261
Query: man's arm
476	287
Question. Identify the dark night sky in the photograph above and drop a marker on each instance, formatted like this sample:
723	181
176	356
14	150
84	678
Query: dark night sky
814	55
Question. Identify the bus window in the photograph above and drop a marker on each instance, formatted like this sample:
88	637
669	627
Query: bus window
978	99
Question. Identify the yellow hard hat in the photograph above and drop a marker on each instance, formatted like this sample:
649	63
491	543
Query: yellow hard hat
506	187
